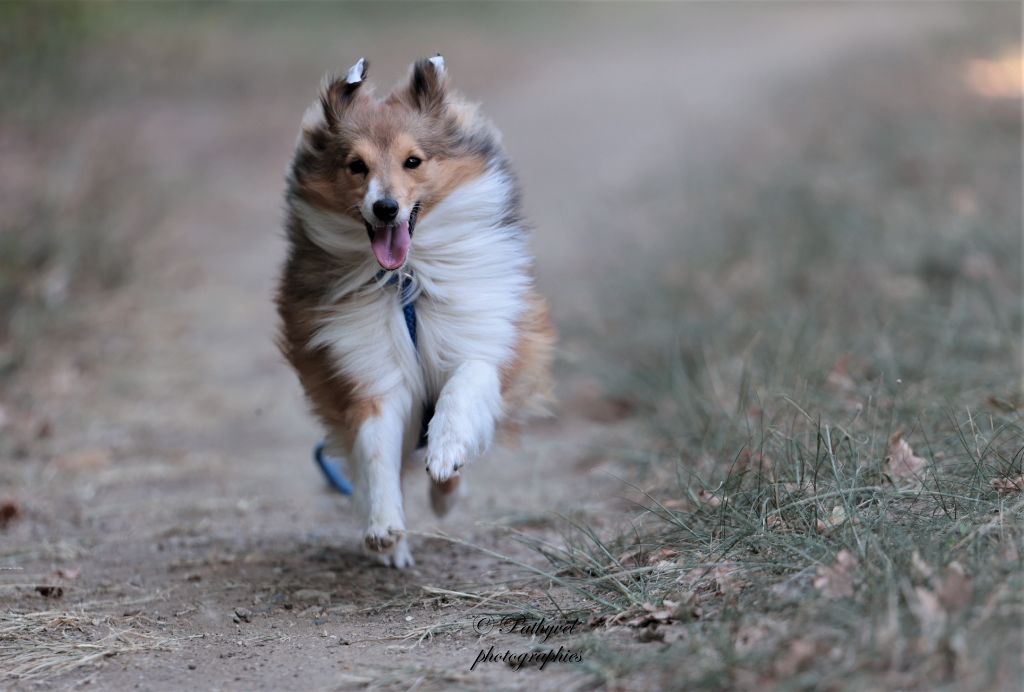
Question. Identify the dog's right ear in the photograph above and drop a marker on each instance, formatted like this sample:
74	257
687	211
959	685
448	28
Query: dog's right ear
338	94
428	86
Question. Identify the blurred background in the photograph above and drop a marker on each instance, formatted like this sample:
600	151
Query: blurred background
745	214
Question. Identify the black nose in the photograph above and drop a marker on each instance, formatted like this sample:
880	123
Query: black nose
385	209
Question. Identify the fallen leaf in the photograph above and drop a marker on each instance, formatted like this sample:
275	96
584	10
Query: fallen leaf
902	463
650	633
9	511
679	607
1008	486
836	581
921	568
929	611
833	521
683	605
629	558
661	555
839	377
956	590
1004	405
799	656
709	500
728	579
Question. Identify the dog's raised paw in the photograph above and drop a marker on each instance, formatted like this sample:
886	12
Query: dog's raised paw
444	458
383	541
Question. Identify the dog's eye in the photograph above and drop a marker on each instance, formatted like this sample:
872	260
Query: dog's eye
357	167
413	162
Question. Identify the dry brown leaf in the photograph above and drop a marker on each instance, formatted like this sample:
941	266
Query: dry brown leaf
709	500
800	654
834	520
629	558
920	567
649	614
839	377
754	462
929	611
956	590
901	462
662	555
50	591
1008	486
1004	405
683	606
650	633
836	581
728	579
9	511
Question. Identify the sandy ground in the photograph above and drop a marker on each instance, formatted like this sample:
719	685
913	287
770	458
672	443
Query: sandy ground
176	485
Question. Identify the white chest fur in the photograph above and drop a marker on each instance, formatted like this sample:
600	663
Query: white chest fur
470	274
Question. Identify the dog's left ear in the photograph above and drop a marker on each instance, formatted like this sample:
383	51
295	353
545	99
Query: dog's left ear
428	88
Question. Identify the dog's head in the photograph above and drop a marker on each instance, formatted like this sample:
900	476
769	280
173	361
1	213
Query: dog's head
386	162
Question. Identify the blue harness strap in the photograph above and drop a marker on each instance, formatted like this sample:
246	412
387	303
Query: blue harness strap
331	468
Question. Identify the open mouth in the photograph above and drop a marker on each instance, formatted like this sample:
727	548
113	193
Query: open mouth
390	241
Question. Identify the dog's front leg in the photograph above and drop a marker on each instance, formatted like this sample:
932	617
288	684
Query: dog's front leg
464	418
377	457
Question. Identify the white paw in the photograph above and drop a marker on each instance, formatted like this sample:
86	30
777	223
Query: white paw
382	539
447	451
400	556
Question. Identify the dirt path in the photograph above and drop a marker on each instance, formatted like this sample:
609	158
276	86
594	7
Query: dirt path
179	473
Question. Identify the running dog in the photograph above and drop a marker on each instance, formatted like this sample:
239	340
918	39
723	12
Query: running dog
408	304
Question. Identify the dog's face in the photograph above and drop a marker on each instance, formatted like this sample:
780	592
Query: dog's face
384	163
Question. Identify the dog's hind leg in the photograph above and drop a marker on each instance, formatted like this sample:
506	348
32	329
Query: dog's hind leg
376	465
444	494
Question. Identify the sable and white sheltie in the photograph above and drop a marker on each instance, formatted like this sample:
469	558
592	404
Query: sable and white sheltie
406	201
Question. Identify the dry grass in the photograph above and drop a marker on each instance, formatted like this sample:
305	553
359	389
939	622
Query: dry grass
41	645
828	497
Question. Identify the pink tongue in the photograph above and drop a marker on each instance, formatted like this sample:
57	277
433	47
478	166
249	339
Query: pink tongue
391	245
